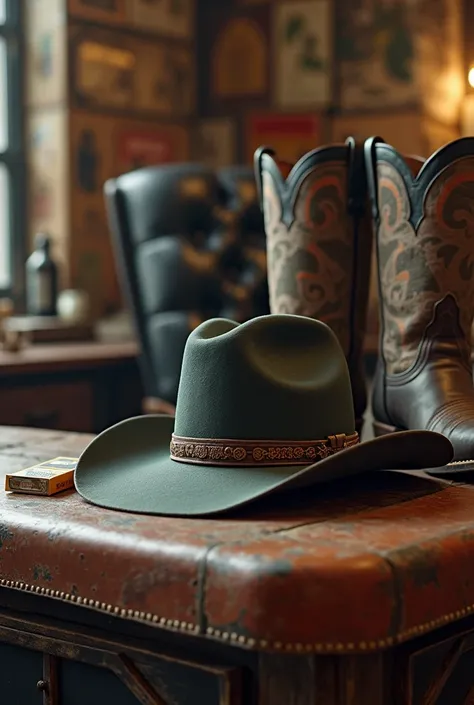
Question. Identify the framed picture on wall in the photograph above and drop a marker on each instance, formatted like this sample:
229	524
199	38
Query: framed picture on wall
303	53
98	10
105	74
165	79
139	144
291	136
239	60
375	51
173	18
105	69
214	142
140	148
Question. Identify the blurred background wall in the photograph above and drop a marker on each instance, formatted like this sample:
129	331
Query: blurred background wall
117	84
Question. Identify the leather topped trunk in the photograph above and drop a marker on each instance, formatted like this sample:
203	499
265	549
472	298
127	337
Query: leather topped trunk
378	565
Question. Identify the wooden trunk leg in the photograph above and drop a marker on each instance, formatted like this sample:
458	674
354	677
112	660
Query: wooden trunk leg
49	684
286	680
323	680
361	680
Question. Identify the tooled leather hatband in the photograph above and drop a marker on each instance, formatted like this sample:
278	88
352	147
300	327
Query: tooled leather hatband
254	452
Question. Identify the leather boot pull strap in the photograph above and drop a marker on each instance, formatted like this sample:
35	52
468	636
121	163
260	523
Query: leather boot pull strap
371	174
356	179
257	167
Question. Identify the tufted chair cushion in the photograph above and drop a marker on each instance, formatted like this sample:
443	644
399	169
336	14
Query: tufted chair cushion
189	245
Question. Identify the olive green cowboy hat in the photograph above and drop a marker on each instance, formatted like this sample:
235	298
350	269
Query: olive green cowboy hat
262	407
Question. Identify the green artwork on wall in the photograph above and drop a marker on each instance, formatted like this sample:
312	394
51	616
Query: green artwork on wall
308	43
375	46
303	53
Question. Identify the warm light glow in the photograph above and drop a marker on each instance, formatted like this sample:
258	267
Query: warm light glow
470	77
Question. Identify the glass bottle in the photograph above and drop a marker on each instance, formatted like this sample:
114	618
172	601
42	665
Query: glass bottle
41	279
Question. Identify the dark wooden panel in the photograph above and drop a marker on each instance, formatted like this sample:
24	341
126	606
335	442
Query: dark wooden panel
80	683
83	669
436	670
20	672
180	684
62	406
82	387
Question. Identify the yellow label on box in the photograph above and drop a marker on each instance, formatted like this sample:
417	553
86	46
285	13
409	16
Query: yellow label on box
46	478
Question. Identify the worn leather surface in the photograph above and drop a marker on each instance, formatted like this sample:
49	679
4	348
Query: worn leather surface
426	264
360	566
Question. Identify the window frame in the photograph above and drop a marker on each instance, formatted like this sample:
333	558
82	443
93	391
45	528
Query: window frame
14	155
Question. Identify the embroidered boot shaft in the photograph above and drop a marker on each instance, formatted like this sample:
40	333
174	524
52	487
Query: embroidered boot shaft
319	241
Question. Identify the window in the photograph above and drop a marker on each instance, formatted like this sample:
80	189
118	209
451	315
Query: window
12	191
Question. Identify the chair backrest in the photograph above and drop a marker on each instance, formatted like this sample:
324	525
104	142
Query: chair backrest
240	195
185	252
240	190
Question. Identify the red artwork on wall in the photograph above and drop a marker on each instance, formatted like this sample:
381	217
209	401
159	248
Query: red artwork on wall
291	136
138	149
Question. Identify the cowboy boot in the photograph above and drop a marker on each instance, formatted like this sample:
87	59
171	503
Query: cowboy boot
424	220
319	242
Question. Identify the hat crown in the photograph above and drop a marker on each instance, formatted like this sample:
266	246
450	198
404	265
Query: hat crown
276	377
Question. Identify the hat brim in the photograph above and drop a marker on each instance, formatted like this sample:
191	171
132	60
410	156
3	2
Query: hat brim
128	468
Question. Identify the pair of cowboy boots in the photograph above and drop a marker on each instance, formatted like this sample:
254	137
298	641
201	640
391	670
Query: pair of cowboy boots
320	219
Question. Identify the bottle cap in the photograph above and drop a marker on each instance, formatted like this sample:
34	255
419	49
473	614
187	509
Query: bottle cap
41	240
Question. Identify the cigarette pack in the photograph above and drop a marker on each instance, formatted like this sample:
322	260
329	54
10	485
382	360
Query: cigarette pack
47	478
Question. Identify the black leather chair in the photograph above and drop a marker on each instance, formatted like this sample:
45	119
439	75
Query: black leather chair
246	257
188	246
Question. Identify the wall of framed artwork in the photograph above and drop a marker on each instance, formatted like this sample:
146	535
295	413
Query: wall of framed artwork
169	80
111	87
302	33
400	55
268	64
121	72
